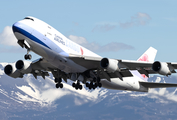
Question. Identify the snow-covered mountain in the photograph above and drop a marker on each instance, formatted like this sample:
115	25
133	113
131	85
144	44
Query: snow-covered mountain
29	98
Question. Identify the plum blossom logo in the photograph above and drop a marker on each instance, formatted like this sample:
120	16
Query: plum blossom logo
82	52
144	58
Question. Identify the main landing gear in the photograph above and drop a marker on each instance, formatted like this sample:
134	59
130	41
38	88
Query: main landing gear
77	85
94	84
58	83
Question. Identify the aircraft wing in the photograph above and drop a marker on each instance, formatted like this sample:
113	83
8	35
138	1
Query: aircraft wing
157	85
86	61
39	67
94	63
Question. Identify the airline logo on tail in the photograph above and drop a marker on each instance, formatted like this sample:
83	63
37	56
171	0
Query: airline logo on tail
144	58
148	56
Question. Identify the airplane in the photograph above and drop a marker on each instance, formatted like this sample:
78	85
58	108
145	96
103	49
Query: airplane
67	60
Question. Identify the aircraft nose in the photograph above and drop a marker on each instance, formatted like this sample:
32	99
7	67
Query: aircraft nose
15	27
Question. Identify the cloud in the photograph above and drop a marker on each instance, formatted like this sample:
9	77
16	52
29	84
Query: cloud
110	47
79	40
137	20
8	42
163	95
104	27
7	37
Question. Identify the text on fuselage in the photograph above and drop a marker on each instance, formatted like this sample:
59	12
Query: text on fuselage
67	43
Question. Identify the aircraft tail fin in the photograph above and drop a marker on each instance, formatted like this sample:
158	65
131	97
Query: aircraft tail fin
148	56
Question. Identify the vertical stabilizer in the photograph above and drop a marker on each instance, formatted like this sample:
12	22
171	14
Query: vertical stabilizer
148	56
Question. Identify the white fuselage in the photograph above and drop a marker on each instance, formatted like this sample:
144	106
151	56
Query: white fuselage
47	42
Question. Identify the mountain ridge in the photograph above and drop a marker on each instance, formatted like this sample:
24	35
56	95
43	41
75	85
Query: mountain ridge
39	99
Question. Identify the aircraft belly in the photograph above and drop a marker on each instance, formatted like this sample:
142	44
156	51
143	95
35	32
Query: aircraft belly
128	83
56	59
111	85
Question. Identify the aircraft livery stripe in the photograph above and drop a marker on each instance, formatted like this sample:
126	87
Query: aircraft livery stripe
32	37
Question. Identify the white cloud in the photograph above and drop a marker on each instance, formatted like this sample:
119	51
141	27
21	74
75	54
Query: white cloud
162	94
104	27
9	42
7	37
79	40
137	20
110	47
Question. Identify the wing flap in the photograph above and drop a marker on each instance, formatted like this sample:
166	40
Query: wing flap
135	65
174	64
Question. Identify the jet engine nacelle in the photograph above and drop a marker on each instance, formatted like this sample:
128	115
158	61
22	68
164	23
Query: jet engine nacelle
11	71
110	64
161	67
23	66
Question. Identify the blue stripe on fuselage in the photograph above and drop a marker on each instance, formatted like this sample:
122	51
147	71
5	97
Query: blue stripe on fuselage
29	35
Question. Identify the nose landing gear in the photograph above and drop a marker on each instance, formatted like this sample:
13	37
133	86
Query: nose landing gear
28	56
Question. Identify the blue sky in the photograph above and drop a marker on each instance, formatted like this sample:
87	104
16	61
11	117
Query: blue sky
120	29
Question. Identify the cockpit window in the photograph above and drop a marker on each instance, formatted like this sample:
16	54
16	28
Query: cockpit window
28	18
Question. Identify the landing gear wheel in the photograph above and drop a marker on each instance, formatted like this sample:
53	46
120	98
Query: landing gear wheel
61	85
28	56
80	87
87	84
74	84
91	85
100	85
95	86
57	85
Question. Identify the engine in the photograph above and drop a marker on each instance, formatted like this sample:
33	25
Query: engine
110	64
11	71
161	67
23	66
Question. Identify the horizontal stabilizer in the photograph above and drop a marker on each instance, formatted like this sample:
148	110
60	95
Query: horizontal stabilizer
157	85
